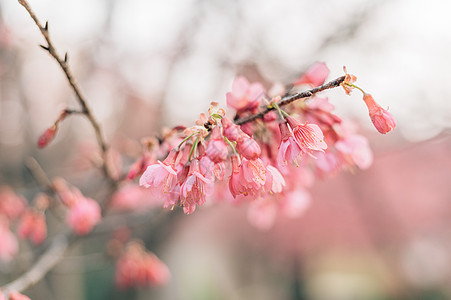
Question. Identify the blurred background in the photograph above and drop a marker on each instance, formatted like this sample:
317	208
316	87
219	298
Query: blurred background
382	233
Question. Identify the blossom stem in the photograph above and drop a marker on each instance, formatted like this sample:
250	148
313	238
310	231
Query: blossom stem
193	149
354	86
184	140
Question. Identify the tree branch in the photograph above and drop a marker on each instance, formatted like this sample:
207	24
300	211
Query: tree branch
45	263
63	63
291	98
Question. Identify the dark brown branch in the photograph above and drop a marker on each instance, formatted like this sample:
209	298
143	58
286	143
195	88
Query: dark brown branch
81	99
291	98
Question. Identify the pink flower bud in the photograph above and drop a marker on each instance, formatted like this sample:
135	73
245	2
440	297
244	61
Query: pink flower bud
249	148
231	131
381	118
217	149
47	136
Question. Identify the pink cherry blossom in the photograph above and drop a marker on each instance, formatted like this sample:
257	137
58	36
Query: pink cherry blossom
231	130
308	136
32	226
315	75
84	215
253	175
289	150
245	95
161	178
194	189
381	118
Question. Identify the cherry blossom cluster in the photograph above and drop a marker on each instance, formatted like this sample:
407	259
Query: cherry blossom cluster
268	162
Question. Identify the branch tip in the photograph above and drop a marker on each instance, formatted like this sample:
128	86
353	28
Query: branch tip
44	47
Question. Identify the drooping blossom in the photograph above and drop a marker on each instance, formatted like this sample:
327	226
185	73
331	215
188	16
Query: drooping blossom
245	95
8	242
289	150
381	118
308	136
315	75
83	215
217	149
161	178
248	178
137	267
32	226
194	189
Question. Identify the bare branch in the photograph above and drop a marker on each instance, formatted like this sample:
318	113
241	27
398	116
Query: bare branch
81	99
45	263
291	98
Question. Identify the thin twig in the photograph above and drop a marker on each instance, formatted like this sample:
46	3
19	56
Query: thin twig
45	263
291	98
63	63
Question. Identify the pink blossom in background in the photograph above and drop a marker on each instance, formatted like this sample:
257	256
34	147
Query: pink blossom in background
17	296
245	95
262	213
138	267
315	75
84	215
295	203
11	204
8	242
132	197
381	118
32	226
355	150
